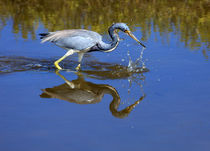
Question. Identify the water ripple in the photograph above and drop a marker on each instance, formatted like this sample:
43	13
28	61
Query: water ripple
101	70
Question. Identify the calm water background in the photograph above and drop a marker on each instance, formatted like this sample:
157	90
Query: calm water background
173	115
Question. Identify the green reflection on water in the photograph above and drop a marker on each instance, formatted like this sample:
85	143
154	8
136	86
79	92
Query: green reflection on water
189	19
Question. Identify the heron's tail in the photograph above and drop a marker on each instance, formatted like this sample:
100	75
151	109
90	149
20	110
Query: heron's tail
47	37
43	35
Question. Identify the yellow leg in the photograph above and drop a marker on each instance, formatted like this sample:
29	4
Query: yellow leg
78	67
56	63
80	56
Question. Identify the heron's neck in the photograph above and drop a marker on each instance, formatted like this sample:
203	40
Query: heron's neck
111	46
114	105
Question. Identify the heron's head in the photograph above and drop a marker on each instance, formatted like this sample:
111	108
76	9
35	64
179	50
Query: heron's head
123	27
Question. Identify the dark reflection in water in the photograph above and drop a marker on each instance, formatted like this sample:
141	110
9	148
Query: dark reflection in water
99	70
81	91
189	20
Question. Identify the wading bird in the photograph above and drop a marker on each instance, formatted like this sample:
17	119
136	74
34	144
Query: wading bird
83	41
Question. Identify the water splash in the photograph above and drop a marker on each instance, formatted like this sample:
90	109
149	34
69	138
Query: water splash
134	66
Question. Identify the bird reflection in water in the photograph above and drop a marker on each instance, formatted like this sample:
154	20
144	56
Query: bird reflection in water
83	92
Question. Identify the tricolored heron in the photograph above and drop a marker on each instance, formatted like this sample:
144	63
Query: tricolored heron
82	41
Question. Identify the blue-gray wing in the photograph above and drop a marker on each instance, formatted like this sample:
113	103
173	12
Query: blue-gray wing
77	39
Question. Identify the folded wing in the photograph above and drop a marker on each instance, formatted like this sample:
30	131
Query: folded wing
77	39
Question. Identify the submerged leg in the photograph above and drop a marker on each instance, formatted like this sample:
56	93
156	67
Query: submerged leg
56	63
80	56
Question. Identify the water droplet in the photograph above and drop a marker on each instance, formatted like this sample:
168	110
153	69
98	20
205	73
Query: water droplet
132	66
132	126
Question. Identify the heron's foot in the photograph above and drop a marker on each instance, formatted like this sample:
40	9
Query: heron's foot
57	66
78	67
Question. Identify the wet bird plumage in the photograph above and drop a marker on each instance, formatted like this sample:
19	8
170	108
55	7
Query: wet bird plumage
83	41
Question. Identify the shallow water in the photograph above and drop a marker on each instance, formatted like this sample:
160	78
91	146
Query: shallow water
129	99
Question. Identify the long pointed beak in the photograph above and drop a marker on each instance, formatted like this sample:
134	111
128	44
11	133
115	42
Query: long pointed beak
132	36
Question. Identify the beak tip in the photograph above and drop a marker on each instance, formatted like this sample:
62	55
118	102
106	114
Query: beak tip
132	36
